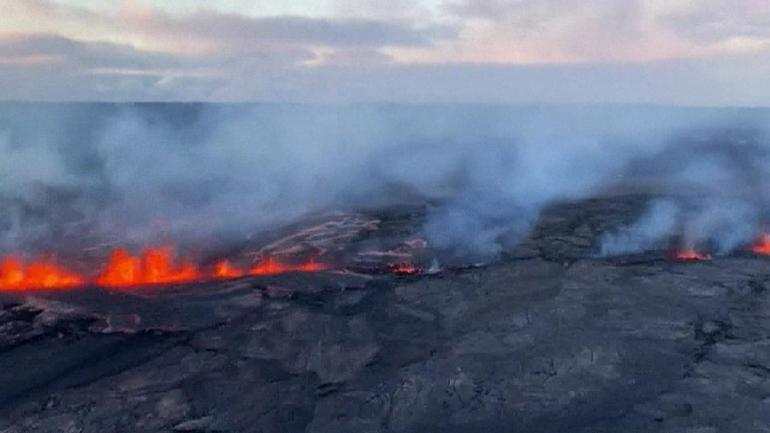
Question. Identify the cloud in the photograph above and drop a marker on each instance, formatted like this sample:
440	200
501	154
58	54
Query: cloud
50	67
710	21
354	57
609	30
114	72
536	14
140	43
289	30
443	50
215	30
84	55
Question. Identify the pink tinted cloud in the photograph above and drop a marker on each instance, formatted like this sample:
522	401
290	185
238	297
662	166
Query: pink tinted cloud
565	31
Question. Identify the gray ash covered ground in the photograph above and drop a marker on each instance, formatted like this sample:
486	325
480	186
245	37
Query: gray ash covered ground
550	338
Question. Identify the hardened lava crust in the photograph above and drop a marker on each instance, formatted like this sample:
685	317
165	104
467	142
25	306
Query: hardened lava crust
550	337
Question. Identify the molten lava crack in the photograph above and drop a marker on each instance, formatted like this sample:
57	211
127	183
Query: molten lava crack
691	256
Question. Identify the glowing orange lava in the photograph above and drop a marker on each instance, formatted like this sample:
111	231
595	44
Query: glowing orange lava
270	267
43	274
152	266
691	256
405	269
225	270
155	266
762	246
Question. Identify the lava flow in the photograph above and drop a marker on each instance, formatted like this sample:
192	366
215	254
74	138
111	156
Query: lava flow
152	267
224	269
762	246
691	256
17	275
405	269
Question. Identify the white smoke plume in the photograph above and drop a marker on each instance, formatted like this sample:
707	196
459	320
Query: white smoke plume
653	229
140	173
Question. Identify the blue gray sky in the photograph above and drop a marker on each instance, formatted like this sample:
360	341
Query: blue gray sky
685	52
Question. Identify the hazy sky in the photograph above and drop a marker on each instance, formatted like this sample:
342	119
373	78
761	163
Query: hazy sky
693	52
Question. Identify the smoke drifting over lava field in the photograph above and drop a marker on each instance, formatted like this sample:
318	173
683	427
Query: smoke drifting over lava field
383	268
202	176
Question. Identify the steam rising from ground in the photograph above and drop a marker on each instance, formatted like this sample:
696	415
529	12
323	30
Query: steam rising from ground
652	230
139	173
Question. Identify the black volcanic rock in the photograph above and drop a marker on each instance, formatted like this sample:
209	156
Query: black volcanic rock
549	339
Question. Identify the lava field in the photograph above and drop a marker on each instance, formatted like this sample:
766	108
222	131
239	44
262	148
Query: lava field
550	337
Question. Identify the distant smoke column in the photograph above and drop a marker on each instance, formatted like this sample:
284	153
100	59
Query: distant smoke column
722	223
651	230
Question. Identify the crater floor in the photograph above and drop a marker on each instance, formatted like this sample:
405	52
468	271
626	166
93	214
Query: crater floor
549	338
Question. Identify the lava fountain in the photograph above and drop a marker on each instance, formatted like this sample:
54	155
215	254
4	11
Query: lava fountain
153	266
15	274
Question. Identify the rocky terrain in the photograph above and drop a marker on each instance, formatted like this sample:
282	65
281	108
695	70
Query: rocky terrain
550	338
